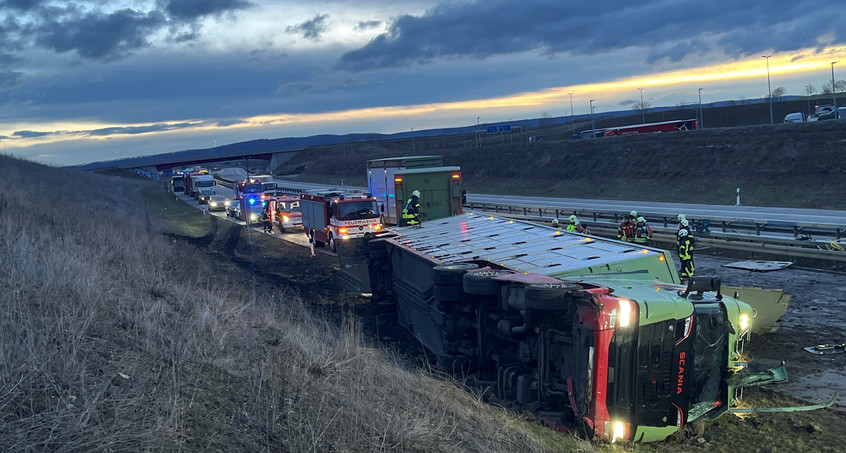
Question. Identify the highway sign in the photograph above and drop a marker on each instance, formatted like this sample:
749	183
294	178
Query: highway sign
491	128
505	128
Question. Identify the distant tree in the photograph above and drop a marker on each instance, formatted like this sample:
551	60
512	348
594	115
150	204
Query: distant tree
839	85
779	93
810	90
545	119
641	107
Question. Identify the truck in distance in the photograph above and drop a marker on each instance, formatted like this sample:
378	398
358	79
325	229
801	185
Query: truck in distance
203	187
332	216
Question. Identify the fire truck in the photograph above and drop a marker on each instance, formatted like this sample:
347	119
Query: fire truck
249	188
333	215
285	212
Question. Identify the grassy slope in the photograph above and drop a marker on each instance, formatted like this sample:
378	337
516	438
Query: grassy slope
122	330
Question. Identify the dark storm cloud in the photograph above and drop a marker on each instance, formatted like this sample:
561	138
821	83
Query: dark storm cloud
669	29
96	35
10	79
310	29
193	9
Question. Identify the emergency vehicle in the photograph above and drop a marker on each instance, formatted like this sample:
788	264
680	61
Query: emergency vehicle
333	215
285	212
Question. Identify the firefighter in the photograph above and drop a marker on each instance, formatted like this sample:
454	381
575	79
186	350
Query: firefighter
681	218
555	223
265	220
625	232
642	232
684	245
411	212
576	226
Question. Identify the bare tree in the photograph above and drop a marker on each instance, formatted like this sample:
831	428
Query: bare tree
810	90
779	93
839	85
641	106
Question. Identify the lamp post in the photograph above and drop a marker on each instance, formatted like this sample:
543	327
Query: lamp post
572	117
701	118
412	140
592	121
642	108
769	90
477	120
833	89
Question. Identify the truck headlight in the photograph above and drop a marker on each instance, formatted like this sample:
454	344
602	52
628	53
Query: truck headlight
744	322
285	218
626	313
253	217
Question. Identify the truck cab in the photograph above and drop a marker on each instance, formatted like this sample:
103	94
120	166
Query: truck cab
285	212
203	187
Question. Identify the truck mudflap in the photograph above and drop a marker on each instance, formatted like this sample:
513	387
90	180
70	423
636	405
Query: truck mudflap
812	407
744	378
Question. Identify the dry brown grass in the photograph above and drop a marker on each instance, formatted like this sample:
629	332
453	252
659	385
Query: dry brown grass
114	337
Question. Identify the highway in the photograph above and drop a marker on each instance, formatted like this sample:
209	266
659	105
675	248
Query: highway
752	214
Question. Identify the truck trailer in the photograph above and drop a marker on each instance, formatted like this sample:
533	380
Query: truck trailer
392	180
589	334
203	187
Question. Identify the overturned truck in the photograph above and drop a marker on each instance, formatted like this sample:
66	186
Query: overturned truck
590	334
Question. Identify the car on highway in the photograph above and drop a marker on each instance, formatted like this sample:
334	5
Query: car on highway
217	203
234	209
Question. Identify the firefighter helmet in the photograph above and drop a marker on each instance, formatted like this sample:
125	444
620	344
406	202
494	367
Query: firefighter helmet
680	217
641	220
633	213
555	222
684	223
416	193
573	218
682	233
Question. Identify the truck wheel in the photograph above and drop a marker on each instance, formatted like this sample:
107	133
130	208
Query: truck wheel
452	274
548	296
332	244
281	228
481	283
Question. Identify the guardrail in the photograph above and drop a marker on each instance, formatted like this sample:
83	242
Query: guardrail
780	241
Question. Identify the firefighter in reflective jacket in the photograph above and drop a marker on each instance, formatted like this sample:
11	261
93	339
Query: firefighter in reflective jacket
576	226
625	232
411	212
265	220
642	232
684	244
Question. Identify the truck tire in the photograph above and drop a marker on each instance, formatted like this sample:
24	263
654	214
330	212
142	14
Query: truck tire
548	296
332	243
452	274
481	283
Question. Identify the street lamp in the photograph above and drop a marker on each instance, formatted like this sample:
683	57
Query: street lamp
769	90
642	108
477	120
701	118
572	117
833	90
592	121
412	140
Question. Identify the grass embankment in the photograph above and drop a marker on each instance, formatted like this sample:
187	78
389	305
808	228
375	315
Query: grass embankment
120	334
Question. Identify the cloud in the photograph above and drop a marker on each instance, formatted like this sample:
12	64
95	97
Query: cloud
478	30
310	29
30	134
193	9
96	35
225	123
366	25
22	5
132	130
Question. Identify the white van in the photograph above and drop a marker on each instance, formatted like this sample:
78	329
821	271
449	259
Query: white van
797	117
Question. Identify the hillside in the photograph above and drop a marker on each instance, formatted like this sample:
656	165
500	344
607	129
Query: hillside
793	165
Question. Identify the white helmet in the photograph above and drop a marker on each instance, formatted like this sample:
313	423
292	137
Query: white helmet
684	223
633	213
555	222
641	220
680	217
682	233
573	218
416	193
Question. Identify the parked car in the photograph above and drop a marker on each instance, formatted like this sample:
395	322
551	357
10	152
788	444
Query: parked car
829	115
217	203
797	117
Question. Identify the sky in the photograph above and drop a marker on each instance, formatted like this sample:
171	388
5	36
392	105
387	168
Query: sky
84	81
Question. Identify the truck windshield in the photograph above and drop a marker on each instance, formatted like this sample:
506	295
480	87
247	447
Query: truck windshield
269	186
289	206
251	188
710	359
205	183
354	210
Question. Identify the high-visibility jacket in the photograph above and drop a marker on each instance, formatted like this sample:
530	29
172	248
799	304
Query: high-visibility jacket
411	212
